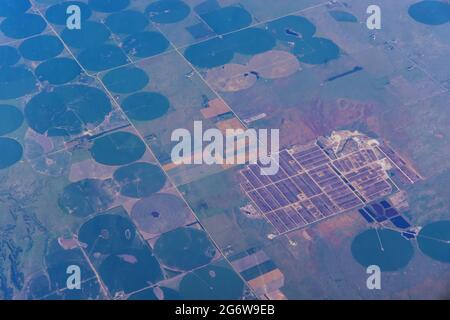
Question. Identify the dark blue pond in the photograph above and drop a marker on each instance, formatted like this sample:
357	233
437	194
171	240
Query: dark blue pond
14	7
8	56
127	22
140	179
291	28
92	34
67	110
209	54
57	14
168	11
145	44
41	48
117	149
227	19
400	222
11	152
22	26
430	12
108	5
388	249
11	118
58	70
434	240
126	80
145	106
15	82
250	41
102	57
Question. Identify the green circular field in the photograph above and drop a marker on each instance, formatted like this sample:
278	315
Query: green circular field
211	283
107	234
86	197
92	34
160	212
145	44
127	22
22	26
108	5
209	54
387	249
41	48
118	149
167	11
145	106
184	249
15	82
126	80
102	57
67	110
130	270
434	240
58	70
11	118
291	28
57	14
14	7
8	56
11	152
140	179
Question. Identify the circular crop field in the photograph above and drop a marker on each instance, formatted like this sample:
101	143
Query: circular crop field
140	179
58	70
127	22
22	26
160	212
117	149
102	57
11	118
57	14
184	249
168	11
130	270
387	249
86	197
211	283
67	110
11	152
8	56
145	106
108	5
145	44
41	48
107	234
126	80
434	240
15	82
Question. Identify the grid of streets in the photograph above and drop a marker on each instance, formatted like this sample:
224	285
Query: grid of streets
313	184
